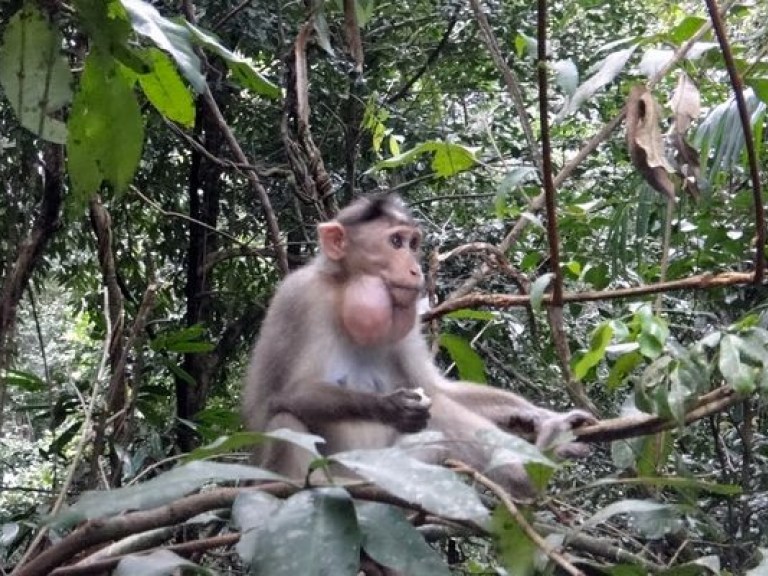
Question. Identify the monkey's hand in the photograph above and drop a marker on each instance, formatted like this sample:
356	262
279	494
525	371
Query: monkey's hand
549	429
407	410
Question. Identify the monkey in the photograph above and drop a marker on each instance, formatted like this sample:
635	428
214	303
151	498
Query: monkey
341	355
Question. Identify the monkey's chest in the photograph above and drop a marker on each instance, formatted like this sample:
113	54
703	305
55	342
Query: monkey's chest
361	372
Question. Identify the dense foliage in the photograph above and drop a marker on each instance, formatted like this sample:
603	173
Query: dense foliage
163	166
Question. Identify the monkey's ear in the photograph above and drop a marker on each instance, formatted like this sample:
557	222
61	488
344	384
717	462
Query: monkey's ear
333	240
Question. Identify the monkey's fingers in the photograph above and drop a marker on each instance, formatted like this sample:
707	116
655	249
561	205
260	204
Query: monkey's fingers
413	420
573	450
578	418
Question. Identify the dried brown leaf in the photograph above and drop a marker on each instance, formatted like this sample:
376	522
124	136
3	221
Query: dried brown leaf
646	147
685	103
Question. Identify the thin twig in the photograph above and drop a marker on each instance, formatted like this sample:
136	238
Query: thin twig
699	282
85	433
738	92
188	218
524	525
510	79
537	203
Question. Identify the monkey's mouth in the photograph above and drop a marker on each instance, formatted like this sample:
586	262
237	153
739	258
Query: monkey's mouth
404	295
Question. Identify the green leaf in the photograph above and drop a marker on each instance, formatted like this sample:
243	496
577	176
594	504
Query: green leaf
240	440
243	70
517	552
738	375
686	29
168	36
653	333
250	509
609	68
623	366
158	491
165	90
314	533
34	74
434	488
24	380
469	314
392	541
760	86
652	519
159	563
468	362
104	106
599	341
538	288
448	158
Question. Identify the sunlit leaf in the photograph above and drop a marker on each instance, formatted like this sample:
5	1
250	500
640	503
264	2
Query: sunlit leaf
34	74
242	68
448	158
169	36
435	488
165	90
105	105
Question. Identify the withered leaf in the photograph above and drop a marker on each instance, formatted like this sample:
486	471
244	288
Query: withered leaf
646	147
685	103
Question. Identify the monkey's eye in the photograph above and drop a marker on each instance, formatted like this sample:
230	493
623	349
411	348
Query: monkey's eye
414	243
396	240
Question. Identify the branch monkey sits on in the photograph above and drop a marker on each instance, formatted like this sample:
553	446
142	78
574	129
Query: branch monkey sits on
341	355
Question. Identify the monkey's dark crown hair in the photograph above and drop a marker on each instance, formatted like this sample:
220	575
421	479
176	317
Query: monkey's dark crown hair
369	208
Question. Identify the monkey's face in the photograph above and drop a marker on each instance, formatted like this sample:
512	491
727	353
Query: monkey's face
391	251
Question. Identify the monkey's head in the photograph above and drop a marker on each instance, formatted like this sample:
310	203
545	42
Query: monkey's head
374	245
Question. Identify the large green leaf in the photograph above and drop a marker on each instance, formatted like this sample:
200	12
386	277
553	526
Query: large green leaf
34	74
165	90
739	375
243	70
607	70
468	362
448	158
106	129
240	440
313	533
160	490
392	541
516	550
168	36
599	341
435	488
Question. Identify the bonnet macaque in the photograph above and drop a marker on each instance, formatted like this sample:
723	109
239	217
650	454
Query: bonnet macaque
341	355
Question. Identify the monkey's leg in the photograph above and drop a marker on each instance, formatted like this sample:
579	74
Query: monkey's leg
283	457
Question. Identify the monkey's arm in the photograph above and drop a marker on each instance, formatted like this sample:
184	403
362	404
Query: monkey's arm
320	403
515	414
